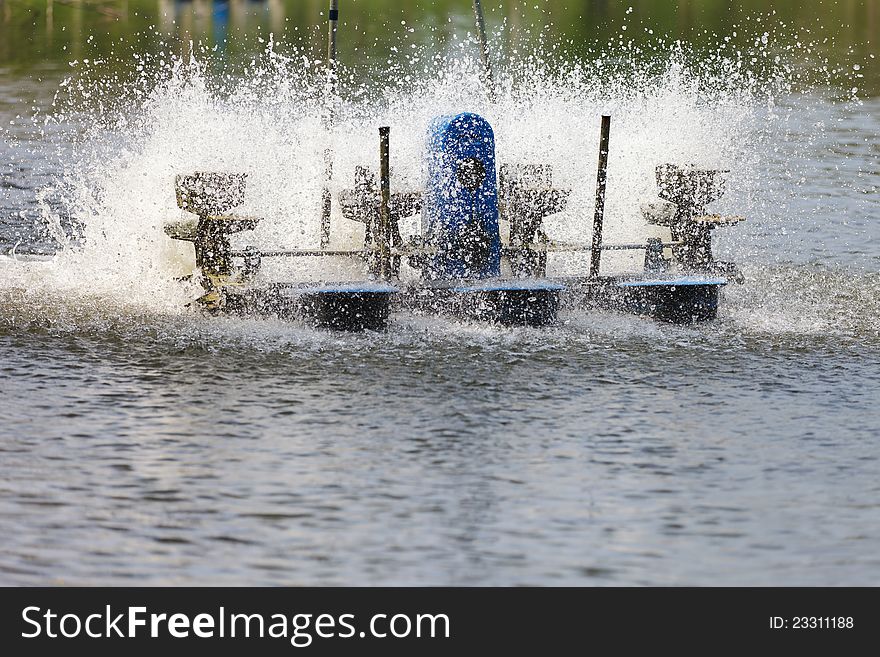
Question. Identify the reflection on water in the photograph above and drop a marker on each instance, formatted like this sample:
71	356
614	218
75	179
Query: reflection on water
40	31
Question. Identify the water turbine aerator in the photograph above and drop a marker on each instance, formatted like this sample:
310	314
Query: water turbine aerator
211	196
463	265
460	254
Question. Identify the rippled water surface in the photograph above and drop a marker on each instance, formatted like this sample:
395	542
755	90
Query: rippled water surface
144	443
604	452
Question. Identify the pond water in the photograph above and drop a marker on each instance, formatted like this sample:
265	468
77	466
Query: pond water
144	443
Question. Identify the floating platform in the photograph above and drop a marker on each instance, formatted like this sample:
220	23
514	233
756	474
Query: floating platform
341	307
686	300
370	306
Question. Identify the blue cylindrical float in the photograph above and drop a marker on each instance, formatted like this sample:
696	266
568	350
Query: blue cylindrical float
460	211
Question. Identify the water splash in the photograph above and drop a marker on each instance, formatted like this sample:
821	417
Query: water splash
170	114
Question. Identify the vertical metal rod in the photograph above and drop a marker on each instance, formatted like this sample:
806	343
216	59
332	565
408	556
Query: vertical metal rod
601	180
484	50
333	21
326	196
383	234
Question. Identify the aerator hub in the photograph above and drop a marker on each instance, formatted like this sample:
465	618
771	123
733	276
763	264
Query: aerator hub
460	213
211	196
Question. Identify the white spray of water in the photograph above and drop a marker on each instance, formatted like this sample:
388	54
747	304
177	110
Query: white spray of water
176	117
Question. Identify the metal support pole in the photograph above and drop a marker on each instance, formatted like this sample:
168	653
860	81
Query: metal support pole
383	232
333	20
602	179
484	50
326	196
326	199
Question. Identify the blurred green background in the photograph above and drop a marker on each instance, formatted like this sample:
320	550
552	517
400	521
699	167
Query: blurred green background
37	34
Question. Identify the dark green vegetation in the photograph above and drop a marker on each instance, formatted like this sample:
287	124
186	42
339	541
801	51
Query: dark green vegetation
34	33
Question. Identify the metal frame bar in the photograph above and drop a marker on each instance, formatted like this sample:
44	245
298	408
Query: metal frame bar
357	253
383	232
601	186
485	54
326	195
